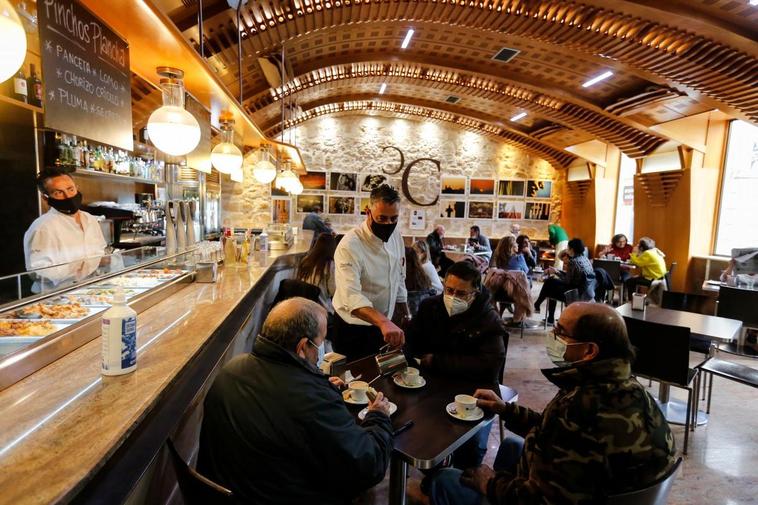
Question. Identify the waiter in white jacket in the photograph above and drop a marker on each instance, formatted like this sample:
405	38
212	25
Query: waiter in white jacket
64	234
370	271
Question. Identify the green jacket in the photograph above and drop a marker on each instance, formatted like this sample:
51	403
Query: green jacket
556	234
602	434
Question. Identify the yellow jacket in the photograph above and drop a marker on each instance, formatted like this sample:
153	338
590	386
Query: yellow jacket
651	263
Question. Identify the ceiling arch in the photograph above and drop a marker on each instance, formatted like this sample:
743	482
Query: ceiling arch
633	142
557	158
726	74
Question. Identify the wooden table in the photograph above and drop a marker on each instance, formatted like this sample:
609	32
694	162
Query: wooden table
700	325
434	434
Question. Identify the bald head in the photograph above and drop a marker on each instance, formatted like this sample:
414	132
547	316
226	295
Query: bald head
294	319
598	323
440	230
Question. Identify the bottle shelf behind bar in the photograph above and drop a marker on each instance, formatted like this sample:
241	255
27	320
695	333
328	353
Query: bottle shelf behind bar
23	105
94	173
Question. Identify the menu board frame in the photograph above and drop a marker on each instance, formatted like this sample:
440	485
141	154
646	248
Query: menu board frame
87	76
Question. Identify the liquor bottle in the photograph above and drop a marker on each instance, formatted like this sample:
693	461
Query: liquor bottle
85	155
20	91
34	87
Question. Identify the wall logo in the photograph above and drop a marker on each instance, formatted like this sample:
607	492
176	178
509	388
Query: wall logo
407	172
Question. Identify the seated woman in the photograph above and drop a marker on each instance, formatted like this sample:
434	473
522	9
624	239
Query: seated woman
317	268
620	248
421	249
527	251
651	263
417	282
507	255
579	275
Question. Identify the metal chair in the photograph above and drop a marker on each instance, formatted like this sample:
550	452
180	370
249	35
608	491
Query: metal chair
569	297
196	489
728	370
668	274
740	304
655	494
613	268
663	355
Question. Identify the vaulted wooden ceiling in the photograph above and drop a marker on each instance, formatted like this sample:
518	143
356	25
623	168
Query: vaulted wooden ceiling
670	58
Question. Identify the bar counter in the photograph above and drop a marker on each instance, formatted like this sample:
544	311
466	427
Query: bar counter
66	427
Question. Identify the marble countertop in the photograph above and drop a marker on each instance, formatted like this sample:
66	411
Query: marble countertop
60	424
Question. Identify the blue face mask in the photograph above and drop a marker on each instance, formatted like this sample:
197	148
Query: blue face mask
321	352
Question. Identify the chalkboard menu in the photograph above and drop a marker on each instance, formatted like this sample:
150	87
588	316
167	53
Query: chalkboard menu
86	70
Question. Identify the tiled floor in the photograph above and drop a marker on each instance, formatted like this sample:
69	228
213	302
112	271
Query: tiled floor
722	465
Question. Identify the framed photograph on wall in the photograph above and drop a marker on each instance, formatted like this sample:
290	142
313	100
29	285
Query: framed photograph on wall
481	210
278	192
341	181
365	203
341	205
510	187
452	185
511	209
308	203
481	187
537	211
280	210
539	189
314	181
453	209
371	181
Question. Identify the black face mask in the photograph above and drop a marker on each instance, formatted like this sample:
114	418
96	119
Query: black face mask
67	205
383	231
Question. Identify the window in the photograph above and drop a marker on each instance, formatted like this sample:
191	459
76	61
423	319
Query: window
625	198
737	225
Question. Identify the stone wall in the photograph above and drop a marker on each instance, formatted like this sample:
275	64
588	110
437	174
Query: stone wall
353	144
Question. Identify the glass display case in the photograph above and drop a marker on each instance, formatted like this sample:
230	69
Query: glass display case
47	313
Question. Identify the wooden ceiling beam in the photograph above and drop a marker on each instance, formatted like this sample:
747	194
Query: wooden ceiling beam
631	141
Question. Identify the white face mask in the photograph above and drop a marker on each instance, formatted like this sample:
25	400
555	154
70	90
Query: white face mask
455	305
321	352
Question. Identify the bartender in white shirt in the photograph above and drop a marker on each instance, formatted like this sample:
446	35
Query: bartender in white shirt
370	272
64	234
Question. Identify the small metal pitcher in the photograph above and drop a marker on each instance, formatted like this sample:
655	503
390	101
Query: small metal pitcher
390	361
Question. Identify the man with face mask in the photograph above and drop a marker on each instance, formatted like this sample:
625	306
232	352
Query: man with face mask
459	333
602	434
370	278
277	431
64	233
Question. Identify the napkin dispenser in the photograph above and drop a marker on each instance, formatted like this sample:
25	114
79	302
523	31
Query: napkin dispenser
638	301
206	271
331	361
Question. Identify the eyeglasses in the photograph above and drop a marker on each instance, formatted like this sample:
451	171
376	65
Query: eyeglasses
313	344
458	293
560	333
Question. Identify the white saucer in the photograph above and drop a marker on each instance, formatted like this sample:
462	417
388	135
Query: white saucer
349	398
362	413
398	379
450	409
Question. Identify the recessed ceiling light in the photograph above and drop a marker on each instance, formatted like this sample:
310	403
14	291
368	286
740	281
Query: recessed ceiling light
518	116
383	88
597	79
407	39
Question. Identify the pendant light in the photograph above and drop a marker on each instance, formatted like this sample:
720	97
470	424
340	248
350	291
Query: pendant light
171	128
263	170
227	157
12	41
286	180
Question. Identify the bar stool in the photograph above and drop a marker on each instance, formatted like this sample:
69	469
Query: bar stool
194	488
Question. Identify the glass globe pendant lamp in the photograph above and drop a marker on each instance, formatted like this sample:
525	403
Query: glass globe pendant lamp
171	128
297	187
286	179
226	157
263	170
12	41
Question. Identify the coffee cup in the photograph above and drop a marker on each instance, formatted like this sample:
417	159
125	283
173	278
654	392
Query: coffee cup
358	390
465	405
411	376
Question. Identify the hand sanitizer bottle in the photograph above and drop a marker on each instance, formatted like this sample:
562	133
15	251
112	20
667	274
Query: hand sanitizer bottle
119	334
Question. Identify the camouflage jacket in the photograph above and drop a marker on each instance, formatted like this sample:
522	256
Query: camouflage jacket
602	434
